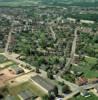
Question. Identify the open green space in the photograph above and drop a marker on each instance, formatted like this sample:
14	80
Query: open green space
1	50
3	59
86	67
90	60
84	16
88	44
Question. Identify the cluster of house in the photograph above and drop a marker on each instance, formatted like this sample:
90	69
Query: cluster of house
83	81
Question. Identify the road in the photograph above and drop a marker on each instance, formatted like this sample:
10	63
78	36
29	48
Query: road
74	44
89	86
78	90
70	60
53	33
9	39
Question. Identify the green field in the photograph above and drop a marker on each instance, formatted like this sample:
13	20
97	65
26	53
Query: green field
14	3
86	65
3	59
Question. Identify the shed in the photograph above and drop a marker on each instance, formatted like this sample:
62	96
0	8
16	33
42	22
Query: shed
18	70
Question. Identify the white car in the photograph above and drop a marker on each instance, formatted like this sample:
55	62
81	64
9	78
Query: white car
59	99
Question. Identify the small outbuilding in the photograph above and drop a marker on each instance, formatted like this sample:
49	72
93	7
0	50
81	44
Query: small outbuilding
17	70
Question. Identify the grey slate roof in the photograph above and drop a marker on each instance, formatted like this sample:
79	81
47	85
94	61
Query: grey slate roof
26	95
9	98
43	82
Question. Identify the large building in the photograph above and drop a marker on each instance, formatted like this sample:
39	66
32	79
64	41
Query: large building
86	22
71	20
43	84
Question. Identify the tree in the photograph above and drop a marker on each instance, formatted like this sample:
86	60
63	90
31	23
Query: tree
45	97
51	96
65	89
50	74
95	66
56	90
37	70
96	38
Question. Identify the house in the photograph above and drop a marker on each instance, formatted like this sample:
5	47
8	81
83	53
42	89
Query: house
43	84
86	22
26	95
86	29
81	81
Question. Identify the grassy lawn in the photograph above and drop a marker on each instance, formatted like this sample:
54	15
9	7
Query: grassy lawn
6	64
14	65
79	97
1	50
86	70
91	74
96	46
3	59
90	60
85	66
